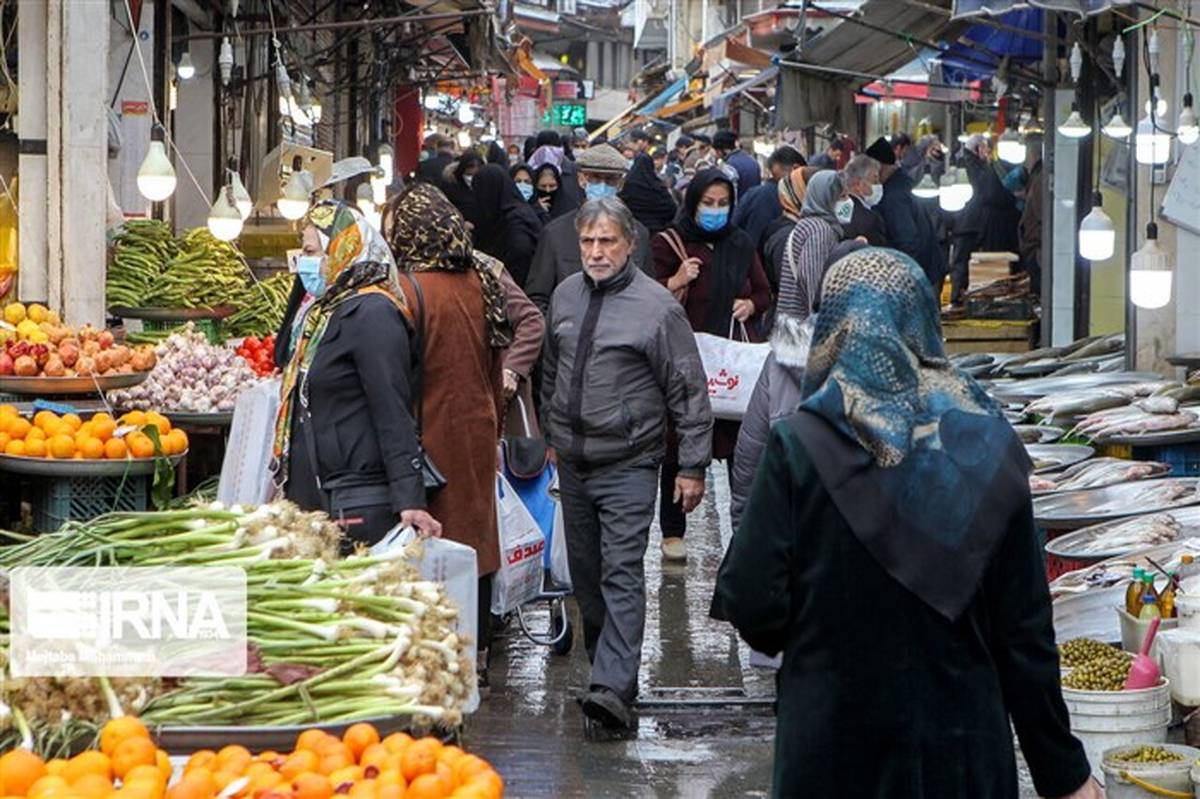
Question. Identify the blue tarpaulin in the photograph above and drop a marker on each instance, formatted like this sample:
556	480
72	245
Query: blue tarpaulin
970	58
664	97
965	8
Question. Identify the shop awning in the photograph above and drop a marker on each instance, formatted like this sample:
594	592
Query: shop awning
967	8
978	52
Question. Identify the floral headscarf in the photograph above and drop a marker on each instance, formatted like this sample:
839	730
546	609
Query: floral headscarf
358	262
427	233
793	188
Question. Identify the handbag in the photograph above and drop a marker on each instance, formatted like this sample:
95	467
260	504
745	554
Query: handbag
671	237
431	475
525	456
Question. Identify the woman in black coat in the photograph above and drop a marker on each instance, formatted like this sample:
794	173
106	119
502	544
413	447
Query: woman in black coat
508	228
888	550
647	197
345	439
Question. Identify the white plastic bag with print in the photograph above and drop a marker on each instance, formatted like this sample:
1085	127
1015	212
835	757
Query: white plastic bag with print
732	368
522	543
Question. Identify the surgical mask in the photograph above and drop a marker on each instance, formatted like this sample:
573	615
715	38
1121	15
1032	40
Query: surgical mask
526	190
872	199
599	191
844	211
309	268
468	179
712	219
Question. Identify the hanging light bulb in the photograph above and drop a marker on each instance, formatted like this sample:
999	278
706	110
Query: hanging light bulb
1118	55
365	198
464	139
1150	273
1074	127
1097	235
294	202
378	188
1189	126
964	137
1076	62
185	69
1117	127
1160	107
926	189
156	176
955	191
225	61
466	114
315	113
224	220
387	157
1010	147
241	197
1153	143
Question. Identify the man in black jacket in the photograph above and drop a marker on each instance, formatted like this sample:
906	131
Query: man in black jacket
862	181
909	224
441	154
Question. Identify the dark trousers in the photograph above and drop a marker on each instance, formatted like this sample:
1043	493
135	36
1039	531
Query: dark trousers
671	517
607	513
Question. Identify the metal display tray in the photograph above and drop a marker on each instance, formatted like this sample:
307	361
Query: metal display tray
190	419
1029	390
47	467
172	314
69	386
185	740
1070	510
1060	456
1066	546
1186	435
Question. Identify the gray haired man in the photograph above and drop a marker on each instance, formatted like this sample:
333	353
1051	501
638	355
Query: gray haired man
621	360
862	181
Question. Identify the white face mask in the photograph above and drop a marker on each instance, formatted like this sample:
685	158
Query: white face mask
872	199
844	211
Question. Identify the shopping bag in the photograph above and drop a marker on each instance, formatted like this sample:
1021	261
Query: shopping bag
522	543
246	477
560	570
540	496
732	368
454	566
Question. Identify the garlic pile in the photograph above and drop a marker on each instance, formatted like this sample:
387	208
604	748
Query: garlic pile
192	376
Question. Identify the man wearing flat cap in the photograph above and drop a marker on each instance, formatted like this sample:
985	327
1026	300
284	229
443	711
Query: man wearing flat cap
908	220
601	173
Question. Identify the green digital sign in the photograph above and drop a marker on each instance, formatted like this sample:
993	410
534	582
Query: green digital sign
567	115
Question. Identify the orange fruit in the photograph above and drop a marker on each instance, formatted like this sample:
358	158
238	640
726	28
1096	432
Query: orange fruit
468	766
255	769
391	777
269	756
114	450
140	445
367	789
48	785
234	757
349	774
35	447
92	449
200	759
298	762
141	789
62	447
92	786
19	428
57	767
391	792
492	781
223	778
450	755
426	786
102	415
263	781
90	762
185	789
133	752
397	742
334	762
312	786
15	447
135	418
472	792
41	417
144	774
446	775
8	409
20	769
374	755
4	439
103	428
203	781
418	759
73	421
159	421
35	434
54	427
359	736
163	761
310	739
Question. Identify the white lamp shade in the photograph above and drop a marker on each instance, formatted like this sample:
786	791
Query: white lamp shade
1153	146
926	188
241	197
1189	126
156	176
1117	127
1010	148
1097	236
224	220
1149	289
185	69
386	161
294	202
464	139
1074	127
955	192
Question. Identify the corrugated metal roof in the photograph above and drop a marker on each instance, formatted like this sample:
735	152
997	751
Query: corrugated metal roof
964	8
855	47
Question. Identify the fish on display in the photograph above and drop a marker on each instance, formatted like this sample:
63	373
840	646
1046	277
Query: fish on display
1152	495
1138	533
1097	473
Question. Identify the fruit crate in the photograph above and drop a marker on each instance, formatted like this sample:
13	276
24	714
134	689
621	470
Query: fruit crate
1183	458
61	499
212	329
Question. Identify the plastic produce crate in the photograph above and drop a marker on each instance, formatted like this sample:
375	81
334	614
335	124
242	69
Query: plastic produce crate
211	328
1123	451
61	499
1183	458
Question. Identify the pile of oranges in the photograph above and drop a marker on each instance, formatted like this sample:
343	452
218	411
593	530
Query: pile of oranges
359	765
68	437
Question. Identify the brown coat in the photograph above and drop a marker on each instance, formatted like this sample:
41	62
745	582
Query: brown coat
460	409
529	329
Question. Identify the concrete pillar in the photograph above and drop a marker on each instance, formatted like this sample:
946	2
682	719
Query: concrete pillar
1062	256
193	131
32	162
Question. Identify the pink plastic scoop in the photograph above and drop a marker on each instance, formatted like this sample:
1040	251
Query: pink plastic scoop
1144	672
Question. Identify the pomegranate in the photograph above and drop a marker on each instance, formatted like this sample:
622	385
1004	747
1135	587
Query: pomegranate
106	339
25	366
6	364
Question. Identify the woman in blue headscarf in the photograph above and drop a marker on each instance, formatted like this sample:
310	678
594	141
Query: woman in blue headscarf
888	550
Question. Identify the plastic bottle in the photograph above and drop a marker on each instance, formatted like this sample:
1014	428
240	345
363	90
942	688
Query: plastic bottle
1133	594
1188	567
1149	608
1166	600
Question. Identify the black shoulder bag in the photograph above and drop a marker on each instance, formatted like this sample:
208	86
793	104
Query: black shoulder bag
432	476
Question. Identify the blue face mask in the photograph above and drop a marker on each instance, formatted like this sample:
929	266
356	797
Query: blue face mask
309	268
712	219
526	190
598	191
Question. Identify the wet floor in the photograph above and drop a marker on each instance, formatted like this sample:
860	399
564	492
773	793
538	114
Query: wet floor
705	725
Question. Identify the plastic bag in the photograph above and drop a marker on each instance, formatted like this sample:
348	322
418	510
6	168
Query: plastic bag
732	368
559	566
454	566
522	543
540	496
246	477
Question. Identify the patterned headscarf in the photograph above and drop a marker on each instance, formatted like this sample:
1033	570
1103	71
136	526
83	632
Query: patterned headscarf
821	197
358	262
793	188
877	370
427	233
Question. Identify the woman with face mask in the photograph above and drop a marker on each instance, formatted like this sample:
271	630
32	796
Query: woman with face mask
345	441
508	228
523	177
547	181
711	267
827	208
456	184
